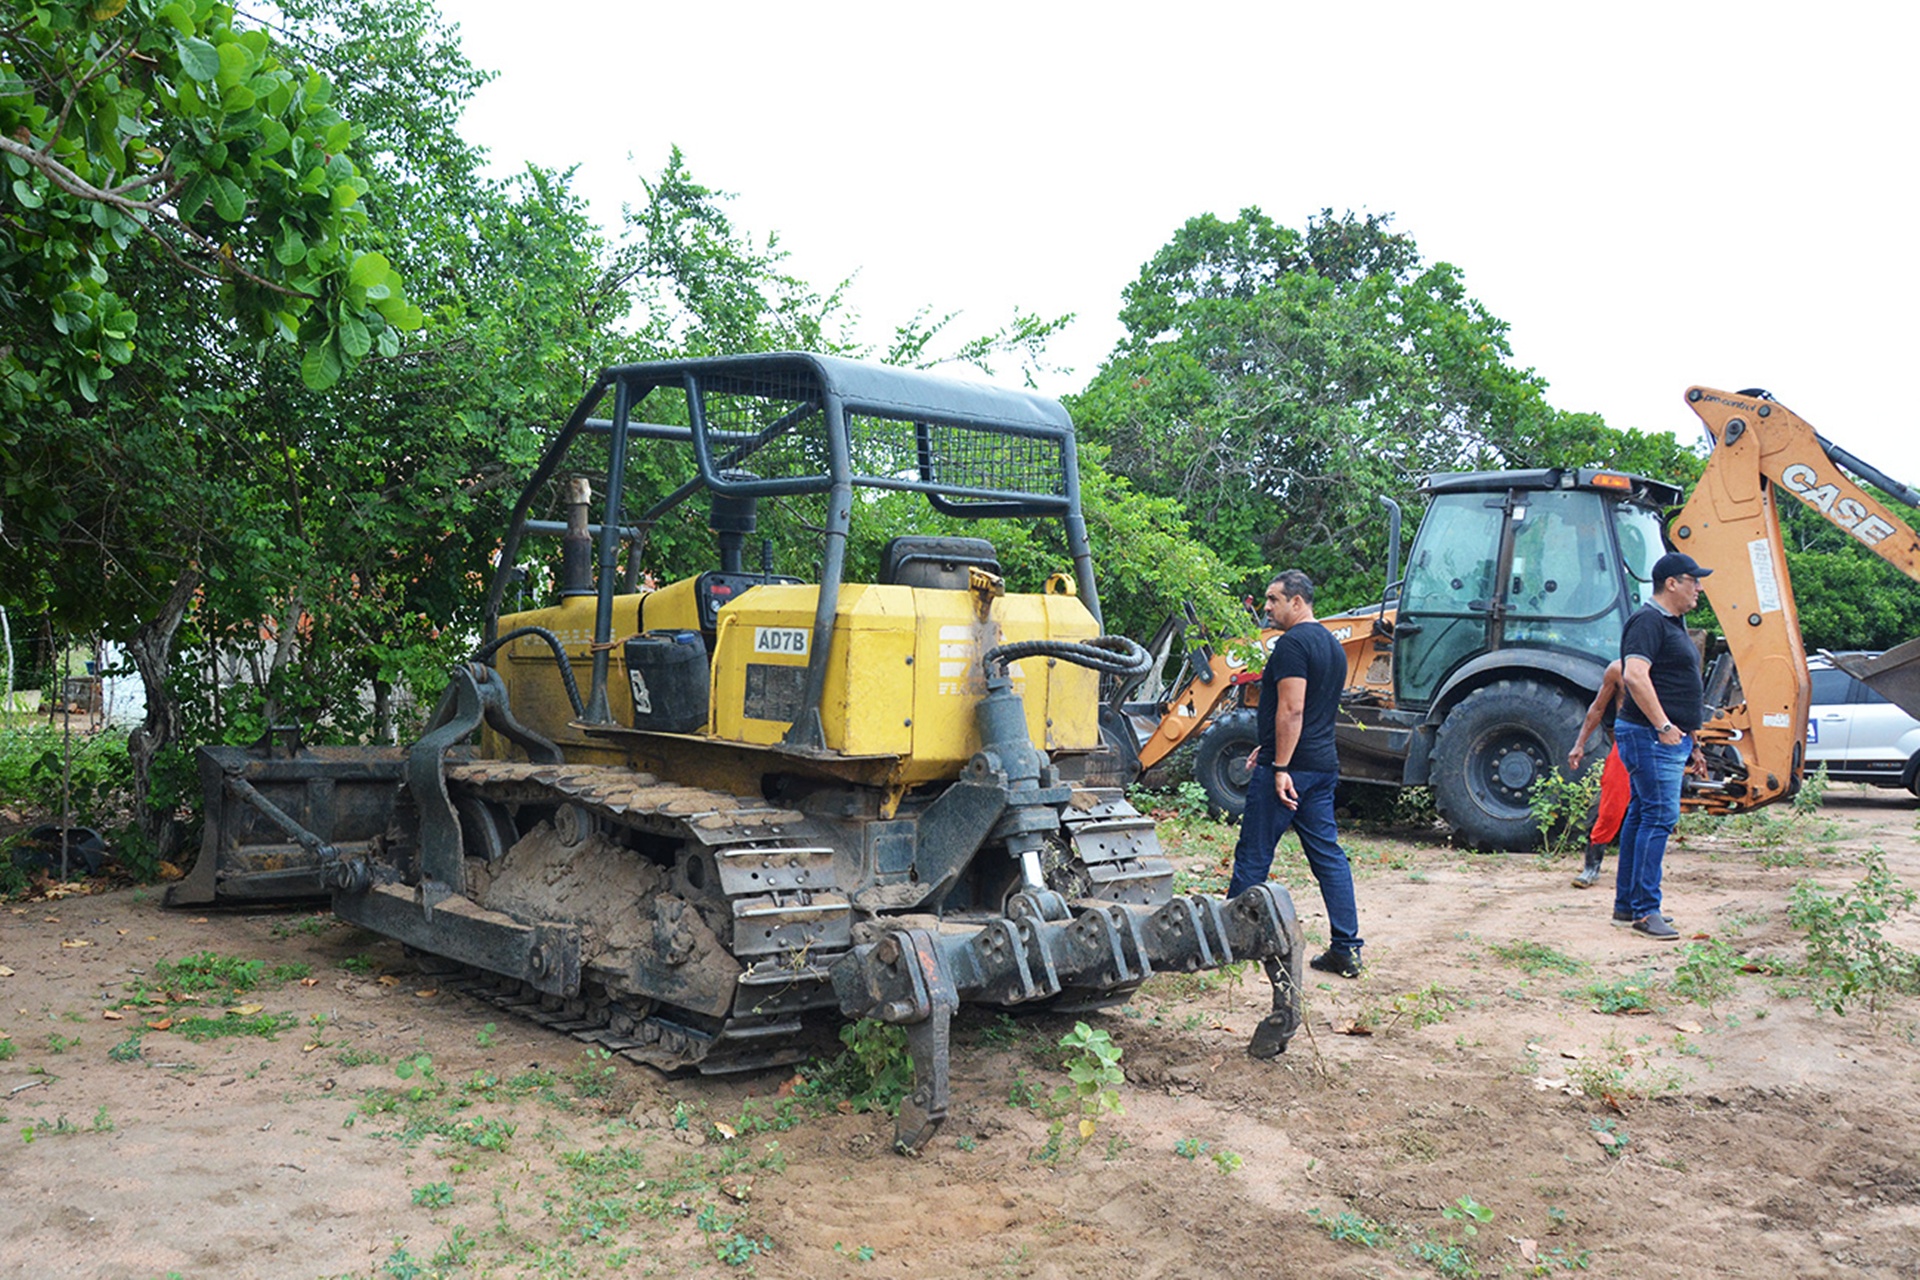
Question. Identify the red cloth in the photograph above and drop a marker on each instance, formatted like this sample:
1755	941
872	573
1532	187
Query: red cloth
1615	792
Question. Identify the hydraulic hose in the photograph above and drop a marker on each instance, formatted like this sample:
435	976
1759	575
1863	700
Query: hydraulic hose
1110	655
488	649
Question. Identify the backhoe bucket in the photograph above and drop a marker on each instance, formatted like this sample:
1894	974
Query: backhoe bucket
1894	675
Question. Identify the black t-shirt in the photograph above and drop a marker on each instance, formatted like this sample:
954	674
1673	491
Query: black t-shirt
1307	651
1659	637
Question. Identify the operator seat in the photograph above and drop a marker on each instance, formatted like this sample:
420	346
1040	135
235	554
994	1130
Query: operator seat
920	561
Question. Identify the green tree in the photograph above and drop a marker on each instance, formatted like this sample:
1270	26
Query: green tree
1275	382
159	126
216	503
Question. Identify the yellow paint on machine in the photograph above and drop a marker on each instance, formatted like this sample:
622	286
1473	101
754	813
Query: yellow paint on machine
535	690
903	670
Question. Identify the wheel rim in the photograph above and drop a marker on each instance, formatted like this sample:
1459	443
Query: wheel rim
1235	774
1506	765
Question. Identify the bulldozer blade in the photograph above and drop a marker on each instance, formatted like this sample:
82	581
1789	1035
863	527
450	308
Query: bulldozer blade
276	819
1894	675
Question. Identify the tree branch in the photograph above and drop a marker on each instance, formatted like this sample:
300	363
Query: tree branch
113	55
74	185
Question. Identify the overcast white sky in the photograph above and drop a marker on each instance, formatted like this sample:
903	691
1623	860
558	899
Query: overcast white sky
1651	195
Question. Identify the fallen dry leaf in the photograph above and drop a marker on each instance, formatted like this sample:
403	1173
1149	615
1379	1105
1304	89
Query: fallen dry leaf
1687	1028
387	980
246	1010
5	972
113	1015
428	994
724	1130
309	1048
1528	1250
309	982
1575	1054
198	920
121	932
741	1191
1357	1030
161	1025
72	943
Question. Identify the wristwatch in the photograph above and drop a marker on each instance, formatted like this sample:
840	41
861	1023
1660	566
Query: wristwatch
1668	725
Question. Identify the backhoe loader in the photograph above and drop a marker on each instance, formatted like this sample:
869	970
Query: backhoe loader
1471	675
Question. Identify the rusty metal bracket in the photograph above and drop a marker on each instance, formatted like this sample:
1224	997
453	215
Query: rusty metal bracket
903	979
1262	921
475	694
546	955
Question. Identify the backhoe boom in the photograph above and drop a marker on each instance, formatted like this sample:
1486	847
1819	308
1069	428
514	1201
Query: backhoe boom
1730	525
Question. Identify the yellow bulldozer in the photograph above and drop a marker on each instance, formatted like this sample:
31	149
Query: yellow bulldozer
698	825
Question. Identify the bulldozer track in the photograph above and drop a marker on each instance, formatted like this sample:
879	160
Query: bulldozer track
790	918
656	1039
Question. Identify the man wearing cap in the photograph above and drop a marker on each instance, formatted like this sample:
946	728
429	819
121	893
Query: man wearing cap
1654	730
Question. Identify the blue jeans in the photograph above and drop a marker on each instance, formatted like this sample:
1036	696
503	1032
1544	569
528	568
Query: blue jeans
1655	771
1266	820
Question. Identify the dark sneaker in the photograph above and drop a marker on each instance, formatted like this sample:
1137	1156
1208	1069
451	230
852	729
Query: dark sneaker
1338	961
1657	927
1625	918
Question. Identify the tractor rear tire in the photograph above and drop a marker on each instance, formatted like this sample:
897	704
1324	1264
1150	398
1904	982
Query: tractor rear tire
1220	761
1490	750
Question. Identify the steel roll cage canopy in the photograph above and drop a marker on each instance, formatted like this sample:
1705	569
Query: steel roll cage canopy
840	389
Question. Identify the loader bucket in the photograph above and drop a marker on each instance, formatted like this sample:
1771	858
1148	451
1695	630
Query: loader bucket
1894	675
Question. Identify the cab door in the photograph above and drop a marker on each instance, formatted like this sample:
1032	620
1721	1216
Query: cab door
1448	600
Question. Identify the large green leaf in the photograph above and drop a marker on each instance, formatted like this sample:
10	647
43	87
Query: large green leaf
355	341
198	58
320	367
235	63
369	269
229	201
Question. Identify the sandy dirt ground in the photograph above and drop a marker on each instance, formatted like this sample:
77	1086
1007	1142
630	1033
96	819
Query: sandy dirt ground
1495	1118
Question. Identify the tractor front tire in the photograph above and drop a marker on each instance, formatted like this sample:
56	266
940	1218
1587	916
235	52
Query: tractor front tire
1220	761
1489	752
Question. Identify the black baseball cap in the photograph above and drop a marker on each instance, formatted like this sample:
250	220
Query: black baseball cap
1673	565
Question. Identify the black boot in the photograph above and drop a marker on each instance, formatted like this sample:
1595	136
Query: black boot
1590	872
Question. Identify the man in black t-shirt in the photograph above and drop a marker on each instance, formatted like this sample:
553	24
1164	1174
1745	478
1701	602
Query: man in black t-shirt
1295	768
1654	731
